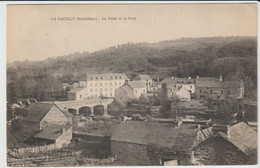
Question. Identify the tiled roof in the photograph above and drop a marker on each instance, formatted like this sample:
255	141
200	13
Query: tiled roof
52	132
76	90
209	84
142	77
107	76
136	84
162	134
37	111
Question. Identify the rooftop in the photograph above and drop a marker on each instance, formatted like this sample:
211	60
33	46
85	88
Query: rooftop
136	84
212	84
174	81
76	90
142	77
52	132
107	76
162	134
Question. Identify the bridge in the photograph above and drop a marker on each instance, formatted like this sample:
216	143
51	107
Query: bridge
89	104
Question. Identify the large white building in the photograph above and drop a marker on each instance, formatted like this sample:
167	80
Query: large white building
104	84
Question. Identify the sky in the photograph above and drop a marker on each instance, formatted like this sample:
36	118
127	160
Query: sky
34	34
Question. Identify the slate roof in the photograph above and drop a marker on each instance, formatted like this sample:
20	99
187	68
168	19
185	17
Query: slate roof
142	77
243	137
107	76
76	90
162	134
209	84
207	79
136	84
37	111
52	132
174	81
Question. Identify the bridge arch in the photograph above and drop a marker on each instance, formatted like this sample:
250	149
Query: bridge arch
85	111
72	111
99	110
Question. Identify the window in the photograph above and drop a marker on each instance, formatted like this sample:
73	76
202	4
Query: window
80	96
105	84
110	94
119	83
115	83
100	84
144	90
135	91
91	78
200	91
95	84
111	89
111	77
91	84
96	89
105	89
90	90
101	77
116	77
222	92
110	84
190	87
211	91
100	89
96	78
120	77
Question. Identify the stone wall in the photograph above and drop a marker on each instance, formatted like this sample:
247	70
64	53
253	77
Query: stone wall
218	151
121	97
65	138
129	154
54	116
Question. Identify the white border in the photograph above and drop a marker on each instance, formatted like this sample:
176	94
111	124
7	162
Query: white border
3	59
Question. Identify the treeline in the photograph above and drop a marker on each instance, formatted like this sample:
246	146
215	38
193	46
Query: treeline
234	58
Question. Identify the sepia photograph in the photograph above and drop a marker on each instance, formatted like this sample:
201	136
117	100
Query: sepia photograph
131	84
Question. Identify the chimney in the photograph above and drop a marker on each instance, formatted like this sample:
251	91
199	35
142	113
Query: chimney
126	82
63	130
221	128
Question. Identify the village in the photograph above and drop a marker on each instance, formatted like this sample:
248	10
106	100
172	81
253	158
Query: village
111	119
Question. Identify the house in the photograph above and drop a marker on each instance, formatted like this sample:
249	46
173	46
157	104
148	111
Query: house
57	134
175	83
104	84
131	90
123	95
150	143
138	87
209	87
80	93
235	145
183	94
40	115
146	79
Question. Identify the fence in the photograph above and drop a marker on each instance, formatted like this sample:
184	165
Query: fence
34	160
34	149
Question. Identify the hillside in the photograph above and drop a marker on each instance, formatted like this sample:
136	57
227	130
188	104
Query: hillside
212	56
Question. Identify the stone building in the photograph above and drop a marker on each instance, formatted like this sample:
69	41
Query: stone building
80	93
151	143
175	83
146	80
40	115
210	87
60	135
236	145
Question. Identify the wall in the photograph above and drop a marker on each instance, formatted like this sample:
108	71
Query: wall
216	93
219	152
139	91
54	116
121	97
129	154
29	129
65	138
